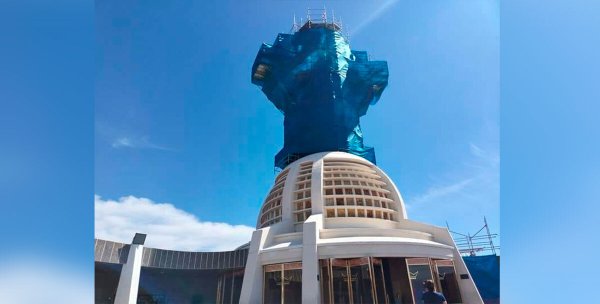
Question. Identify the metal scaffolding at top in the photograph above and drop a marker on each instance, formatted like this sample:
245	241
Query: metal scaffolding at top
319	17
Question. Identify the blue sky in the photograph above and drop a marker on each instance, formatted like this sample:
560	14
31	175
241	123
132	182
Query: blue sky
178	121
550	150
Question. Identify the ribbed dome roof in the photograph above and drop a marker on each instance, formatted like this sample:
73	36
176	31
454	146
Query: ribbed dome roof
348	190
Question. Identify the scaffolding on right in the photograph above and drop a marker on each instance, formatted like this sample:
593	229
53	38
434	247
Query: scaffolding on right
481	258
471	245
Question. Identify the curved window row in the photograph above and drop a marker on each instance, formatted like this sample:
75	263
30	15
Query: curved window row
352	189
270	212
302	197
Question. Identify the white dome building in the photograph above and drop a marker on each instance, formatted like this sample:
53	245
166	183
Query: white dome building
334	229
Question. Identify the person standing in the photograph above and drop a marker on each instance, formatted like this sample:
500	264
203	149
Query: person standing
430	296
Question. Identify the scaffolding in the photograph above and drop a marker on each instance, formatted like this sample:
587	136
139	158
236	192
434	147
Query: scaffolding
319	18
473	244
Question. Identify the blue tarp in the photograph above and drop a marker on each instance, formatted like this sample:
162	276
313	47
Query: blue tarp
322	87
485	271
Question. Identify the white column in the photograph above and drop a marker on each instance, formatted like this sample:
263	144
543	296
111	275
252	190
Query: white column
316	187
129	281
252	285
311	291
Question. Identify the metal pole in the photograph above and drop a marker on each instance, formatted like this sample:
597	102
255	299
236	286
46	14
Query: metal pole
372	279
282	283
470	244
333	16
489	235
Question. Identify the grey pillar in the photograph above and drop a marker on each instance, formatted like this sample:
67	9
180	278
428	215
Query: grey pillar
127	290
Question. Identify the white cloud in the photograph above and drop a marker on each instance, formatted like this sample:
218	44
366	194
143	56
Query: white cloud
140	143
167	227
439	191
475	181
30	280
122	142
490	159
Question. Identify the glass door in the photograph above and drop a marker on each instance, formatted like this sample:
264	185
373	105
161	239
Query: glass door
341	281
292	287
361	284
419	270
283	283
272	286
325	282
447	280
379	281
353	281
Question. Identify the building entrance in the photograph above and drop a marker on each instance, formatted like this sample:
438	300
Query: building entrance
391	280
354	281
283	283
441	272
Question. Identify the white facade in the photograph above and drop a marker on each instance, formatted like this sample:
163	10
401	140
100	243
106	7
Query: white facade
336	205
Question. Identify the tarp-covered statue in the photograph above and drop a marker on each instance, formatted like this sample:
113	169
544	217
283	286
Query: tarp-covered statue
322	88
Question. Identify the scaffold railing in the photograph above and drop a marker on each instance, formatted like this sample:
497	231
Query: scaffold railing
477	243
319	17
